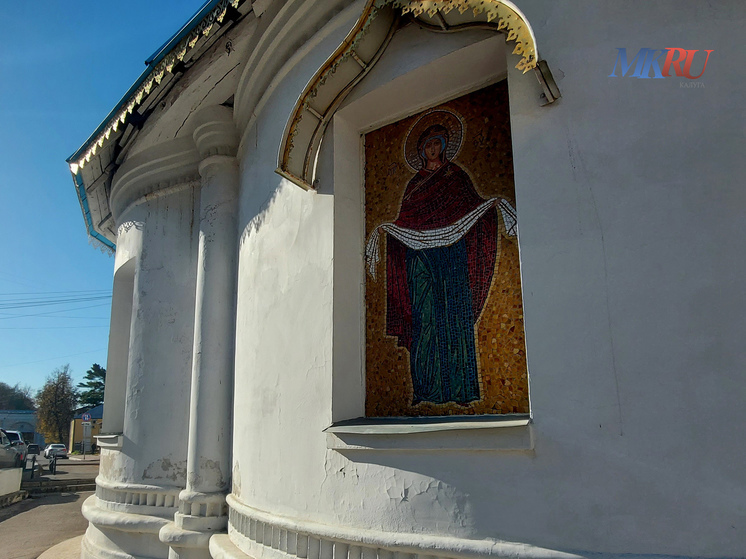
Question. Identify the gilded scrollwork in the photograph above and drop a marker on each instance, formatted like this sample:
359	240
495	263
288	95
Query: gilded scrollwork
500	15
509	20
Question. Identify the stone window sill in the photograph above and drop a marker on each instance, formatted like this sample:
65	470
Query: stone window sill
510	432
110	441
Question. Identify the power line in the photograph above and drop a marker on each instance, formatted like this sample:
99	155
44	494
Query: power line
54	327
46	295
41	302
50	314
51	358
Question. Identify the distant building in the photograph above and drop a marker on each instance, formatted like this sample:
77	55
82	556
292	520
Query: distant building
77	429
23	421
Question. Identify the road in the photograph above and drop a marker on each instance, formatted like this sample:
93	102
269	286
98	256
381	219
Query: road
30	527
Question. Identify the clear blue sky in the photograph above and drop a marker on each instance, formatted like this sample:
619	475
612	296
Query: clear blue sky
63	67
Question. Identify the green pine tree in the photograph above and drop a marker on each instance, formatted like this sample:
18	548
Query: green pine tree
92	390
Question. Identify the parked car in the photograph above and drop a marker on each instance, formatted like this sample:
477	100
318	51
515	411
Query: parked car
58	450
33	449
17	442
9	456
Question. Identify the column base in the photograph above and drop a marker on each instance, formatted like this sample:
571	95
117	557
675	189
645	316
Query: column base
185	544
188	536
120	535
221	547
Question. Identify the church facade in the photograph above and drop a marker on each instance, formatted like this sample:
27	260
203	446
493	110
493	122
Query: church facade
400	278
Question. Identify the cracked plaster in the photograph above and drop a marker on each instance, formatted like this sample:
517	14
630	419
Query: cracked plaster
166	468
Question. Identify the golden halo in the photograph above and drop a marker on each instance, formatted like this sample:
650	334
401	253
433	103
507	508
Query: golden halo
451	121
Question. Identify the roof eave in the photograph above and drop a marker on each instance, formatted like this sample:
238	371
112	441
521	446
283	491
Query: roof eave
152	62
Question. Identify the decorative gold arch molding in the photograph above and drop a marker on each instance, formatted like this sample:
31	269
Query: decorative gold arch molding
365	44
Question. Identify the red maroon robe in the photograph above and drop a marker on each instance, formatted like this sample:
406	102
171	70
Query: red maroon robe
435	199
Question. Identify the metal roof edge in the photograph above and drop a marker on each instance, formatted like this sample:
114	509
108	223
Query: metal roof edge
151	62
181	33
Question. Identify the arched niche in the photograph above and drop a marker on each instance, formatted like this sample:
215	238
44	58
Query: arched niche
363	47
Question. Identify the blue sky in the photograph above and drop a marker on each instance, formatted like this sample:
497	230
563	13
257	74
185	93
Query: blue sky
63	67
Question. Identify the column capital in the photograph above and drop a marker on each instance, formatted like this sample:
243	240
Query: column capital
214	132
212	164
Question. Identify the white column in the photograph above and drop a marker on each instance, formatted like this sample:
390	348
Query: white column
202	507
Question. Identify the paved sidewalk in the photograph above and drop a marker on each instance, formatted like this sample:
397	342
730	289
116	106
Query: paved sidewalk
92	458
73	476
69	468
36	524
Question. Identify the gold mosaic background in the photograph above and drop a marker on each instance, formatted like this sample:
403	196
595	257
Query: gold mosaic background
487	157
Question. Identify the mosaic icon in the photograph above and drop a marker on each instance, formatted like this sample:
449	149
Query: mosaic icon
441	251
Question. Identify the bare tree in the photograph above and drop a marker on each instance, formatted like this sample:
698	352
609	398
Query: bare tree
56	405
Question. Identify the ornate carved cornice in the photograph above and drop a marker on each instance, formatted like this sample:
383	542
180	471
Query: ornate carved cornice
262	534
93	165
157	170
122	521
175	164
137	498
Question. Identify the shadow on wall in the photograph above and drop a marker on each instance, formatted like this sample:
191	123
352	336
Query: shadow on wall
252	224
601	502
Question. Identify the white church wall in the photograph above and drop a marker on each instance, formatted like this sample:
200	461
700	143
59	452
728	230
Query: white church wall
159	235
629	265
284	382
629	210
285	270
141	475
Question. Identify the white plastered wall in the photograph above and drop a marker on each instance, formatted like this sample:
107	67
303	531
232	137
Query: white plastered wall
288	296
630	212
159	236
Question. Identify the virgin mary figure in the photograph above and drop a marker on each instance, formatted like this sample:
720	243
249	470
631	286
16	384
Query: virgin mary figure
441	253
